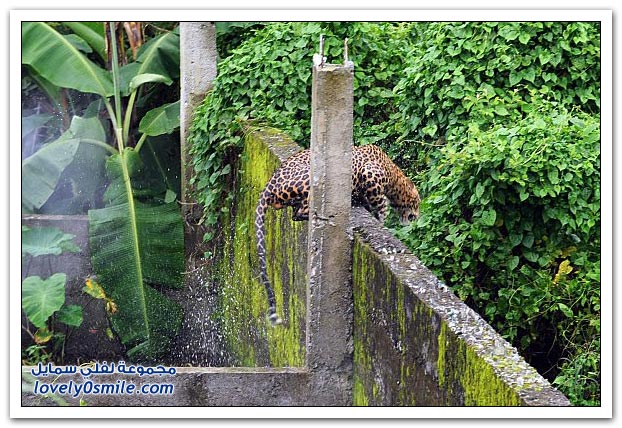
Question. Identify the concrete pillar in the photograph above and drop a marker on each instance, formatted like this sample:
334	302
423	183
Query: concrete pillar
198	59
329	296
196	343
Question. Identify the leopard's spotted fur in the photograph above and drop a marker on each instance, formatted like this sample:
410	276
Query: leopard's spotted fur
375	179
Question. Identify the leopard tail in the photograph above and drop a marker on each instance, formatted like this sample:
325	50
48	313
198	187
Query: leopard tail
260	232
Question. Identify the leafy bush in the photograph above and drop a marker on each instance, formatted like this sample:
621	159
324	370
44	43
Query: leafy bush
268	78
136	239
501	124
461	69
513	224
43	300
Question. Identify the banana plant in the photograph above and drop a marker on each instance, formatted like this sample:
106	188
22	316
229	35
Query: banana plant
136	240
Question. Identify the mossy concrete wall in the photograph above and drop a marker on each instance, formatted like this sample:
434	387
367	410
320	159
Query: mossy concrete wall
243	303
417	344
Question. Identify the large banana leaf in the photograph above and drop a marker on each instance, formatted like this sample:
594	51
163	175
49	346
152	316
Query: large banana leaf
160	56
135	245
42	171
55	59
160	120
92	33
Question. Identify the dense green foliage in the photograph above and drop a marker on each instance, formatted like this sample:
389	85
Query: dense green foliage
268	78
43	299
136	238
498	124
504	128
465	74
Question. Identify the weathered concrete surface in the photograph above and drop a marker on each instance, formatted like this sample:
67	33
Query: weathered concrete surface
329	293
89	341
192	386
198	60
242	301
189	386
417	344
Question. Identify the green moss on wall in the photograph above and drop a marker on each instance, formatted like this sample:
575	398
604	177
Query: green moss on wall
420	339
482	386
362	357
442	350
243	302
462	372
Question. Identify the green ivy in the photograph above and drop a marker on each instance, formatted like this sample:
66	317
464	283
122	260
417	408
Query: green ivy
268	79
512	223
499	125
464	74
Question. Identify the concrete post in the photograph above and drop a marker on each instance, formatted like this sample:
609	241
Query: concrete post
198	58
196	343
329	296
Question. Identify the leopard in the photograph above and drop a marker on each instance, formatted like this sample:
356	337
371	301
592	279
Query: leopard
377	183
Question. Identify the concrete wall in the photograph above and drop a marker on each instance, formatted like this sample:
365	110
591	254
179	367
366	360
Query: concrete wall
242	303
415	342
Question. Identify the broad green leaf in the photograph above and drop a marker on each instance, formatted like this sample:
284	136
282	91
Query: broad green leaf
489	217
528	241
44	241
160	56
479	190
170	196
92	33
565	309
53	57
78	43
513	262
524	38
52	91
161	120
515	77
141	79
33	122
42	171
501	110
553	175
160	157
523	194
116	193
70	315
42	297
134	245
82	183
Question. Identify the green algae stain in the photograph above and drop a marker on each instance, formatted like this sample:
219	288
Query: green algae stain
464	373
361	272
440	362
482	386
243	299
359	396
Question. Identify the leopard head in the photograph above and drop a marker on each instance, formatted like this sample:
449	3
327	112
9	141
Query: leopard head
408	201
